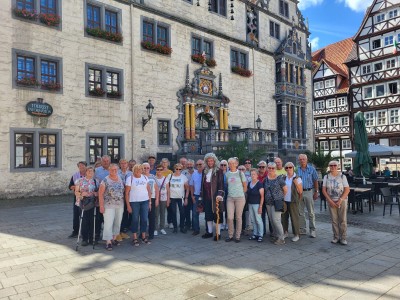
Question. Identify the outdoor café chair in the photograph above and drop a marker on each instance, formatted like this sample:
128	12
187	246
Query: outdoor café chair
389	199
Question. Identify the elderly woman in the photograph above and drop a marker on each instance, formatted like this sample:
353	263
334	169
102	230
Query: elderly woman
336	189
292	199
124	172
86	187
237	187
166	172
137	196
275	190
163	187
255	199
154	200
223	166
111	200
179	193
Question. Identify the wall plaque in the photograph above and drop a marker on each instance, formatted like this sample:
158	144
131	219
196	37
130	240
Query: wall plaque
39	109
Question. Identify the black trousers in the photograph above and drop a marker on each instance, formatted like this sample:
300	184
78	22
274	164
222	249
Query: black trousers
152	218
76	212
188	209
87	225
174	203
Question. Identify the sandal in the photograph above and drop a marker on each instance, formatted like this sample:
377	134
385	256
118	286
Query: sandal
109	247
145	241
259	239
116	243
135	243
253	237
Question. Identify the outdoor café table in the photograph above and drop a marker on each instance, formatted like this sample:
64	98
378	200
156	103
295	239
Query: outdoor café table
360	190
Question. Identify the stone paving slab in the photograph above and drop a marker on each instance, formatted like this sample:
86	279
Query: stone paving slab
39	262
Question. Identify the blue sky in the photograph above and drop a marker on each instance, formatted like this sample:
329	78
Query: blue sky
331	21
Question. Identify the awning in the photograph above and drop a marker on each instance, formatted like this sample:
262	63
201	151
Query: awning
378	151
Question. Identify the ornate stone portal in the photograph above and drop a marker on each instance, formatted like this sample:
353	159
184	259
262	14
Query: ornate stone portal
202	108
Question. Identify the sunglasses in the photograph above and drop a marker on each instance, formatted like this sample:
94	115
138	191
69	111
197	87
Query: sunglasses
288	168
146	168
242	169
333	165
261	167
247	162
269	168
223	165
159	169
199	164
178	169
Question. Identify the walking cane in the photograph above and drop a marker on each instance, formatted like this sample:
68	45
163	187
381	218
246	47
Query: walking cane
94	227
217	212
80	229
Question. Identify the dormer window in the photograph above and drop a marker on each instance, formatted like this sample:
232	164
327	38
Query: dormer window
329	83
393	14
380	18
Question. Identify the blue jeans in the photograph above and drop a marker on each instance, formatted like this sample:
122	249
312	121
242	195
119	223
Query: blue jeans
256	220
139	209
174	202
195	215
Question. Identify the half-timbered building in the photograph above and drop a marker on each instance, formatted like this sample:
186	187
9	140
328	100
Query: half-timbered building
331	107
375	74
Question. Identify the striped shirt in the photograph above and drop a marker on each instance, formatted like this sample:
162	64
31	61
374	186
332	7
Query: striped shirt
308	176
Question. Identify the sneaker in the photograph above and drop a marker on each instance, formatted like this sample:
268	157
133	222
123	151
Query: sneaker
229	239
171	226
73	235
334	241
253	237
109	247
155	232
295	238
196	232
343	242
124	235
163	231
313	234
285	235
279	242
118	238
207	235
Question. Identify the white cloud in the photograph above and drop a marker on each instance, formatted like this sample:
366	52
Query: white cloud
303	4
357	5
314	43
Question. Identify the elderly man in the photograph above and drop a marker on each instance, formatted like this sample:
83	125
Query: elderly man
102	171
309	176
279	167
152	162
188	208
76	211
195	189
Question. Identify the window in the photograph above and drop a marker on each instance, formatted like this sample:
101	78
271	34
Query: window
36	71
274	29
331	103
40	7
48	6
376	44
391	63
284	8
389	40
366	69
103	17
28	5
156	32
392	88
381	117
163	133
323	145
35	149
321	123
334	145
318	85
200	44
380	18
392	14
367	92
394	116
105	144
380	90
320	104
343	121
111	21
218	6
329	83
342	101
346	144
378	67
104	82
369	118
332	122
238	59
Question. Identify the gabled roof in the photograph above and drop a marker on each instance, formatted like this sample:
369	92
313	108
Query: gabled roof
364	21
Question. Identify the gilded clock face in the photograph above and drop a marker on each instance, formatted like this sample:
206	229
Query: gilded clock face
206	87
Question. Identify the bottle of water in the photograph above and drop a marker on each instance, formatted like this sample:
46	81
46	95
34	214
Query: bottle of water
364	181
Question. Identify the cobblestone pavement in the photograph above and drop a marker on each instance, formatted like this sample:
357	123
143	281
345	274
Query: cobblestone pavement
37	261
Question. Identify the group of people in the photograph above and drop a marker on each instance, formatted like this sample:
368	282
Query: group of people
145	199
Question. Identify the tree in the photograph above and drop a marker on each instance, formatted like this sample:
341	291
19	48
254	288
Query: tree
320	159
241	151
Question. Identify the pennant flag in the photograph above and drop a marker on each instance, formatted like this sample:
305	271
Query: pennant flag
395	47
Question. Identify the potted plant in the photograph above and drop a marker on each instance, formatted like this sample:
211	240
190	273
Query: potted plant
241	71
98	92
26	14
103	34
27	81
320	160
198	58
156	47
114	94
50	19
51	86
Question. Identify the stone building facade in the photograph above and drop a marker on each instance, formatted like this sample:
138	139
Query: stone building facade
87	68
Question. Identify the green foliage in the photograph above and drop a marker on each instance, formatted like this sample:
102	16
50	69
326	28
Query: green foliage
320	159
241	151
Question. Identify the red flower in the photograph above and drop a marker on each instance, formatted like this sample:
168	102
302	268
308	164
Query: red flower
242	71
26	14
50	19
103	34
157	47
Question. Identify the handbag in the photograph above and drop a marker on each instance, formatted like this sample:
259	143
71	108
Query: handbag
279	205
88	202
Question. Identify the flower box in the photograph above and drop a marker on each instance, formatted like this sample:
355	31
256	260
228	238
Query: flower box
27	81
103	34
157	48
25	14
114	94
198	58
98	92
51	86
50	19
242	71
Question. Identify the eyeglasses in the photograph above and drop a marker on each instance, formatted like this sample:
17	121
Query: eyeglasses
159	169
261	167
190	167
178	169
333	165
242	169
270	168
247	162
288	168
146	168
223	165
199	164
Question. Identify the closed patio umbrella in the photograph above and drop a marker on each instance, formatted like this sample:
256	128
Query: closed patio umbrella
363	162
